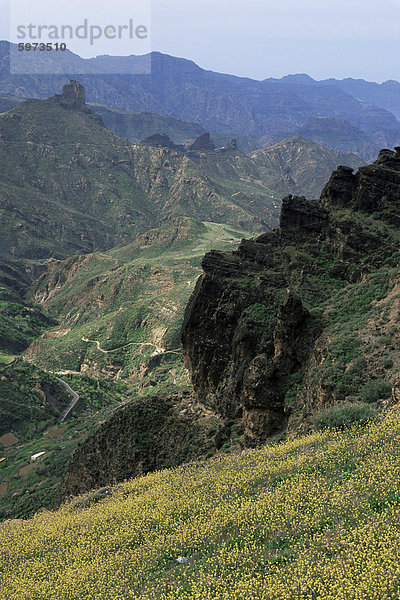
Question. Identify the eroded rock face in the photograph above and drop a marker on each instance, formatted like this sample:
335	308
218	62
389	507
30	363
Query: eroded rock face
301	217
240	336
264	378
248	333
372	189
74	96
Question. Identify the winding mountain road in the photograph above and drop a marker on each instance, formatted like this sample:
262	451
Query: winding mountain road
75	398
158	350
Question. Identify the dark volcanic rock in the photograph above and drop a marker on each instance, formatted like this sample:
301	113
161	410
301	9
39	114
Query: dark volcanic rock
203	143
239	338
301	217
340	188
373	189
159	140
247	334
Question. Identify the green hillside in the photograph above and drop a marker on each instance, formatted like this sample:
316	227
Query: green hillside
64	183
8	102
299	166
21	322
29	398
68	185
32	403
120	312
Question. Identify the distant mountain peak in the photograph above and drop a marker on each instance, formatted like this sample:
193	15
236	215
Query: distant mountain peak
298	78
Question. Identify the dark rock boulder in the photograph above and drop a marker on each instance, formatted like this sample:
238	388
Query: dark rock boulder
301	217
202	143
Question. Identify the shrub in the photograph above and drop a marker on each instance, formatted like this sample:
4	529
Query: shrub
343	415
375	390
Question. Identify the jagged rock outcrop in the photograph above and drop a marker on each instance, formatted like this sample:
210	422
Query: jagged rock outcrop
73	97
240	337
300	217
203	143
159	140
260	331
372	189
263	380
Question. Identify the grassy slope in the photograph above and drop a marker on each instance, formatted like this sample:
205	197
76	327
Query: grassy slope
360	320
29	398
61	176
316	517
299	166
130	299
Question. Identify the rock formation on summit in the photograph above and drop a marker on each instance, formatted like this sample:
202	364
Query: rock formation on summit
73	97
203	143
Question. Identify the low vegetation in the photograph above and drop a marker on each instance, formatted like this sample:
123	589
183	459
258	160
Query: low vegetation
314	517
31	404
343	415
121	311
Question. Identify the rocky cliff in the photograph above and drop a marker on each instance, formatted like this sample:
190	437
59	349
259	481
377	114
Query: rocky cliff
304	316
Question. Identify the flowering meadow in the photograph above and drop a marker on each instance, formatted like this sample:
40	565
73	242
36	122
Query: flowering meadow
315	518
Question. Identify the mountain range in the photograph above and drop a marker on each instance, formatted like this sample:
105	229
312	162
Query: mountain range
272	109
68	185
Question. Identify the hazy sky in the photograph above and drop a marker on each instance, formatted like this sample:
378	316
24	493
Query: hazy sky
256	38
